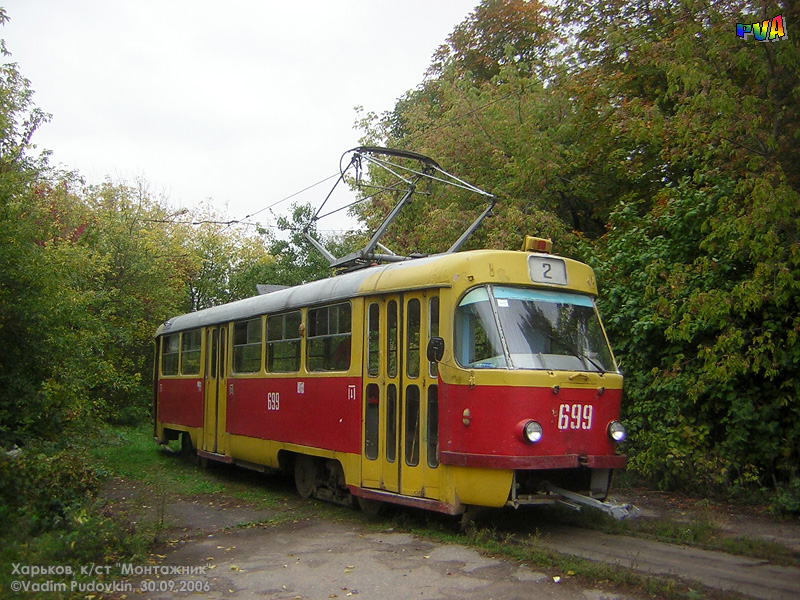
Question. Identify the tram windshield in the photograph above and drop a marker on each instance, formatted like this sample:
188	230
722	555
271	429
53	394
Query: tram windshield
500	327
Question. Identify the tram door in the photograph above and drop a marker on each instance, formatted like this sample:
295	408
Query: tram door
401	396
214	411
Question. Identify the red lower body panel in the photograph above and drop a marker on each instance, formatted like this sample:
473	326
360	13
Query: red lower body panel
180	401
321	413
494	461
574	427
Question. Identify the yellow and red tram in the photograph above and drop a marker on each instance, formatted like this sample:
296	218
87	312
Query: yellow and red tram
467	379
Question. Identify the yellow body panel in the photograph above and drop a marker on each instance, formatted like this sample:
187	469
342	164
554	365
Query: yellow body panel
265	452
479	487
463	270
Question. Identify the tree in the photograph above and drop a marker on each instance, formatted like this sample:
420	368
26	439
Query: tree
231	262
519	131
295	260
669	147
701	264
19	118
27	226
496	35
139	278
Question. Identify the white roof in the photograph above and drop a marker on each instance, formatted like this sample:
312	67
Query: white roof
332	289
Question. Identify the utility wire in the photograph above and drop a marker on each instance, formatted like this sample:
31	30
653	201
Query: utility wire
562	71
289	197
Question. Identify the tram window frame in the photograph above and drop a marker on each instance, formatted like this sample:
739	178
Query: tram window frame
412	425
191	345
284	342
372	422
433	331
170	354
373	339
392	335
413	337
248	336
329	338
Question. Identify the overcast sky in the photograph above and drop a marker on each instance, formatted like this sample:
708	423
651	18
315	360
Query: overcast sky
241	103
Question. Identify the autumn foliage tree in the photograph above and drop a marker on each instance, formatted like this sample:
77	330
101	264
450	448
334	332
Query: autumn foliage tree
87	273
652	141
702	273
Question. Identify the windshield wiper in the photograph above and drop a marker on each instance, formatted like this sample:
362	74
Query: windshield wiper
574	351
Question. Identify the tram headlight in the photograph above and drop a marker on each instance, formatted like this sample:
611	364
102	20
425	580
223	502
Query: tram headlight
532	431
616	431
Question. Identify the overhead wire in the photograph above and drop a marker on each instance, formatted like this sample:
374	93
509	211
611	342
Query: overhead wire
290	196
559	71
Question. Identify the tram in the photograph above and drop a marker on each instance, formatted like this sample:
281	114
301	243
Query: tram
456	381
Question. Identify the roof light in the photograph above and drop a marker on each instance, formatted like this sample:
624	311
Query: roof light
535	244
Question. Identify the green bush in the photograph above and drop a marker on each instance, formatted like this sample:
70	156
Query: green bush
786	500
701	301
39	491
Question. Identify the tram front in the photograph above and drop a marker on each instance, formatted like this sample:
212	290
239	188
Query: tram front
534	390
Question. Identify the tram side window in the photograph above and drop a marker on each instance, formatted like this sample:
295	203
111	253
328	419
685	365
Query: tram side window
247	346
391	422
190	352
412	338
170	351
372	421
433	330
283	343
433	426
476	340
329	338
412	426
373	343
391	338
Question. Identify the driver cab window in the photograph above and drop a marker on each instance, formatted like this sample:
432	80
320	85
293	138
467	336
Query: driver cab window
477	341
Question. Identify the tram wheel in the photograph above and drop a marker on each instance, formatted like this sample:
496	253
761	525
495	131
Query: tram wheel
187	448
372	508
305	475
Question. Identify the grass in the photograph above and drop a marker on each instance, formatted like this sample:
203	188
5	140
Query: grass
137	478
100	532
700	531
130	453
500	538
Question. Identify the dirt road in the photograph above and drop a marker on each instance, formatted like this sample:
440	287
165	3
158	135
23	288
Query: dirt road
308	557
321	559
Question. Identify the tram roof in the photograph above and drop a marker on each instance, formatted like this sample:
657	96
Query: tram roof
419	273
323	291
